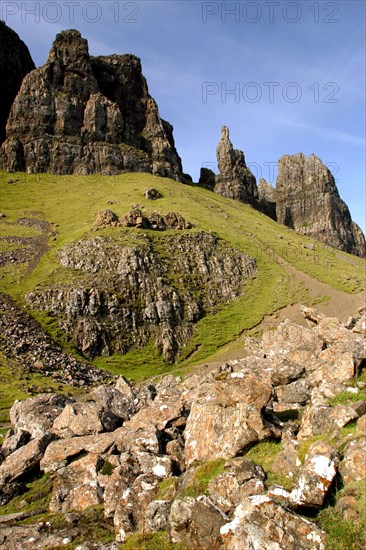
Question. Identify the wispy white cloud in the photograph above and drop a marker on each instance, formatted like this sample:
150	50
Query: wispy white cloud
329	133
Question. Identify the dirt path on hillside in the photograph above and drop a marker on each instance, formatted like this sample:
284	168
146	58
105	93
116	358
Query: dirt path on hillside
341	305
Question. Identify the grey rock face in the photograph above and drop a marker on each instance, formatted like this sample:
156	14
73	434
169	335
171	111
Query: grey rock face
267	198
308	201
235	180
15	63
145	302
84	115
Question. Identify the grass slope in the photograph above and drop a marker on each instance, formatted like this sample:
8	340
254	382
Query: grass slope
70	205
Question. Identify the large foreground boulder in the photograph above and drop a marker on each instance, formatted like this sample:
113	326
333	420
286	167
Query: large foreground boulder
262	524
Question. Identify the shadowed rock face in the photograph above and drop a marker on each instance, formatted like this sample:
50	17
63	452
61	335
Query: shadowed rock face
308	201
15	63
235	180
82	115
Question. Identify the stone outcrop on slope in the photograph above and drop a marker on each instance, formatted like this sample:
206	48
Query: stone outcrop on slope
79	114
235	180
308	201
157	472
15	63
131	294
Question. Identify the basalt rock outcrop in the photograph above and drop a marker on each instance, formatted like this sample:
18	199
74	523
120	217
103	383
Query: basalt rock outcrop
307	200
128	295
15	63
235	180
79	114
267	198
180	459
306	197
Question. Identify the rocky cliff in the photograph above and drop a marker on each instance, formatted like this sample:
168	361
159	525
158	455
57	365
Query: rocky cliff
308	201
235	180
81	115
306	197
15	63
244	455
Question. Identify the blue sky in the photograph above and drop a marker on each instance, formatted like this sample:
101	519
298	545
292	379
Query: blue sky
286	77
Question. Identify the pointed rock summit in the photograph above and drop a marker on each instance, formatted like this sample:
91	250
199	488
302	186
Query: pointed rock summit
82	115
307	200
235	180
15	63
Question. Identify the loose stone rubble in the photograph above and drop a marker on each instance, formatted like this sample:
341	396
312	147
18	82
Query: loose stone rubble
171	455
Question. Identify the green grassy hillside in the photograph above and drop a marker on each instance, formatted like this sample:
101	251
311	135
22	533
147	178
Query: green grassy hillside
70	205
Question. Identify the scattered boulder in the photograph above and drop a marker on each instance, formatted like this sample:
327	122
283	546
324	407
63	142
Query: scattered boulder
152	194
318	419
226	417
156	515
130	511
242	478
37	414
134	218
173	220
23	460
13	441
78	419
195	523
261	523
156	221
76	487
59	453
106	218
316	476
353	465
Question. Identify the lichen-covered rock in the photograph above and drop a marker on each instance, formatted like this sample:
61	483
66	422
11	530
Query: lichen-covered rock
23	459
12	442
114	406
353	465
261	523
286	462
81	115
241	478
130	511
78	419
37	414
319	419
226	416
156	515
195	523
308	201
235	180
75	487
316	476
59	453
15	64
